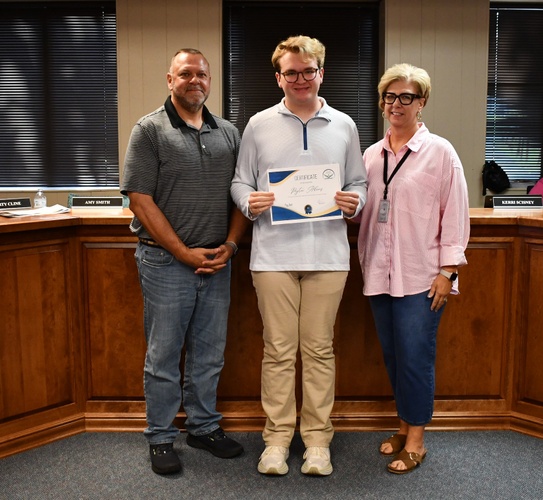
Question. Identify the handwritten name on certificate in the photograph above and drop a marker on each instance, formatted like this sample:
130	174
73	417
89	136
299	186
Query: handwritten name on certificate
305	194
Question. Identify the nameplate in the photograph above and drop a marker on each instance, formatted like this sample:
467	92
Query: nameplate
97	202
15	203
527	201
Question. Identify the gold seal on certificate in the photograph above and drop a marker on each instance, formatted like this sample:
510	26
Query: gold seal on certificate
305	194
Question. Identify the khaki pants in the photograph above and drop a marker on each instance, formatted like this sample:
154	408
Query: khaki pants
298	308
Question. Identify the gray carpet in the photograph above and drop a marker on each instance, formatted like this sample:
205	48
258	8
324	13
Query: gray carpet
460	465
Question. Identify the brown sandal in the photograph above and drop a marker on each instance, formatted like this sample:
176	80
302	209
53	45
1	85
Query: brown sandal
411	461
397	441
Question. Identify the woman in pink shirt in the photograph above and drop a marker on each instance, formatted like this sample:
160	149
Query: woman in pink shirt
413	233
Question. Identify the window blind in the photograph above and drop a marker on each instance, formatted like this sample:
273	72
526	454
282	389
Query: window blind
58	95
514	131
349	32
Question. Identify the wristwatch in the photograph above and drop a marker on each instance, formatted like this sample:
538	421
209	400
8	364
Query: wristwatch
448	275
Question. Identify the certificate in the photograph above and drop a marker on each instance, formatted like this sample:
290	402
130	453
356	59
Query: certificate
305	194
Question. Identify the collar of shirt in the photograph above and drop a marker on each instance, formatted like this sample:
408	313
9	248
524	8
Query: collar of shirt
178	122
414	144
324	112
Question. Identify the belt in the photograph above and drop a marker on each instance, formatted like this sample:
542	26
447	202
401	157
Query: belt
149	243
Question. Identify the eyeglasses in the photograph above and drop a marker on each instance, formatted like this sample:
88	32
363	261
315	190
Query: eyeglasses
308	74
405	99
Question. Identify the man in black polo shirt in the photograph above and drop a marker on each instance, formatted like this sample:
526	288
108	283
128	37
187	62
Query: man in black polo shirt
178	168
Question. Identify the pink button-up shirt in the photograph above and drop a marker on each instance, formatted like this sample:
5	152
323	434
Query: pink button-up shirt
428	222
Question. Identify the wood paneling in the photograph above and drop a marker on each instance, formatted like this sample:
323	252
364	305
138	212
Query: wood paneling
531	347
149	34
36	343
474	329
360	371
240	378
116	345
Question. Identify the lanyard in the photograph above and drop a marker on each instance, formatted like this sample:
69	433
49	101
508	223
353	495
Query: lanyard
385	170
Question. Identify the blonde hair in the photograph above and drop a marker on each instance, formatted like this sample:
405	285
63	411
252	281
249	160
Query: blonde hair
405	73
309	48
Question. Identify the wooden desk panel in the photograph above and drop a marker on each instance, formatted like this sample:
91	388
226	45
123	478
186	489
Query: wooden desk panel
360	370
114	320
530	348
72	345
240	377
36	362
475	328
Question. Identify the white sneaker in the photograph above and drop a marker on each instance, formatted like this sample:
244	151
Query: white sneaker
317	461
273	461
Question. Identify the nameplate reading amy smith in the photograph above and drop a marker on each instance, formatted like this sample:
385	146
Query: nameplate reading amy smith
97	202
304	194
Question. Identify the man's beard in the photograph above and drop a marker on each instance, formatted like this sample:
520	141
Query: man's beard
192	105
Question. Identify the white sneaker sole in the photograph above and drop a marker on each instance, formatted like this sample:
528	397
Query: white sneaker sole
273	471
316	471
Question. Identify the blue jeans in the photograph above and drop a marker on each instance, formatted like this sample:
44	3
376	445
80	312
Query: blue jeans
181	309
407	330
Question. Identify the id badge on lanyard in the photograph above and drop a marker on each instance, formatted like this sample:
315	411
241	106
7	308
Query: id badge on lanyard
384	207
384	204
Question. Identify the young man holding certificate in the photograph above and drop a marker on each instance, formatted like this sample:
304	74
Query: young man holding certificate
290	156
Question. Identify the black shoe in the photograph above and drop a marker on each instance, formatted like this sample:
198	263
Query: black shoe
217	443
164	460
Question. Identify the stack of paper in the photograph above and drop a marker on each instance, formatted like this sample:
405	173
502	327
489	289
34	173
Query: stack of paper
23	212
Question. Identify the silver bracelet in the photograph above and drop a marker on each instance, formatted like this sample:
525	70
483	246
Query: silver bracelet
233	246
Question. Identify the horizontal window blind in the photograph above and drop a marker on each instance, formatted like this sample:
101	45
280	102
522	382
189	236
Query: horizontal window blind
349	32
58	95
514	132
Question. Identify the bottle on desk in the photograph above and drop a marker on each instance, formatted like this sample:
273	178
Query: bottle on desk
40	200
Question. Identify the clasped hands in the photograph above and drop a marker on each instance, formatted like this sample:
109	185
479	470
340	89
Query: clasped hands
208	260
260	201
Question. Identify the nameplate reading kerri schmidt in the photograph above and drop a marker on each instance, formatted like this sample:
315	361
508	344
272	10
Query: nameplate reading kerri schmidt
527	201
97	202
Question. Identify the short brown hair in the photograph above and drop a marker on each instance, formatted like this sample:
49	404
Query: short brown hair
188	51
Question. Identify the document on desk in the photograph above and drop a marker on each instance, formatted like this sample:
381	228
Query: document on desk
24	212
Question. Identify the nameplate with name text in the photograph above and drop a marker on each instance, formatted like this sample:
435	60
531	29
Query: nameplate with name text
15	203
526	201
97	202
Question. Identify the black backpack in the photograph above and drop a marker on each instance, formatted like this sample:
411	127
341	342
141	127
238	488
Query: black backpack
494	178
